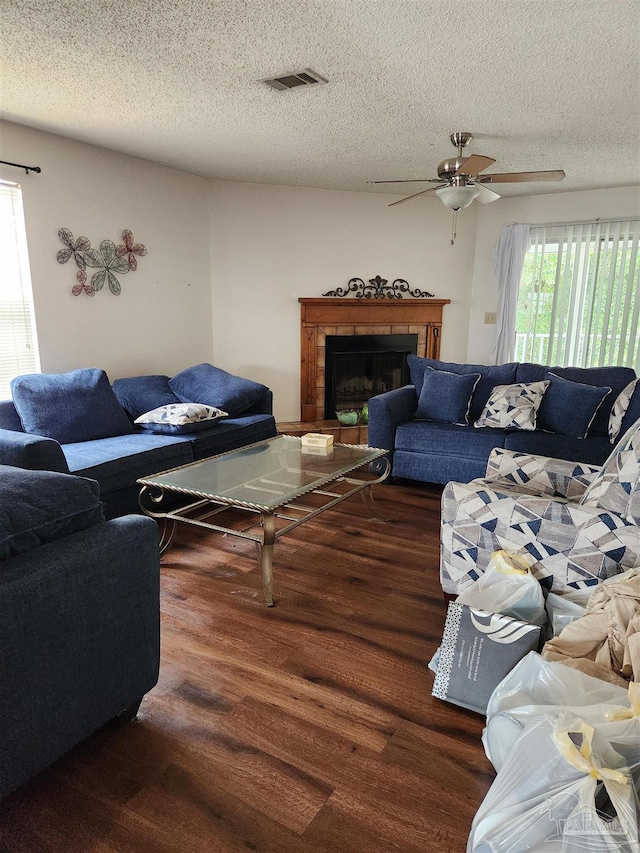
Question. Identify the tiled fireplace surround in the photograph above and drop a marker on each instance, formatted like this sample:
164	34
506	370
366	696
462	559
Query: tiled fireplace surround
320	317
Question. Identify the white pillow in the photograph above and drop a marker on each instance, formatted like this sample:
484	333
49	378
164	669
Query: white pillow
619	409
180	418
513	406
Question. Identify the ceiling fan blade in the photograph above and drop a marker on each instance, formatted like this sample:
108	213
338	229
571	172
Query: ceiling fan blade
474	164
519	177
486	195
410	181
415	195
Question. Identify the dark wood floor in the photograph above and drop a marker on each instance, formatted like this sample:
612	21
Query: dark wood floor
305	728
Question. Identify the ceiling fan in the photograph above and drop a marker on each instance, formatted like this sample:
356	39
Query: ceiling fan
460	180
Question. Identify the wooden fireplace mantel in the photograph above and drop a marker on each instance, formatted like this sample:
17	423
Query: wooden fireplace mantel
320	317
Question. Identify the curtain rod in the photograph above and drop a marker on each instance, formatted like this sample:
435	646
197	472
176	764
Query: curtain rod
27	169
585	222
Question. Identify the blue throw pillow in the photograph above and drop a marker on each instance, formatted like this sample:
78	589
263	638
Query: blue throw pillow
446	397
490	376
69	407
212	386
37	507
568	408
140	394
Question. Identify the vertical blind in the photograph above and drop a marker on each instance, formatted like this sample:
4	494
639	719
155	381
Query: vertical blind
18	345
579	299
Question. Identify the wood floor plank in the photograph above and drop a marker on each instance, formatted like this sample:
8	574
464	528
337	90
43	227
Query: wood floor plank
238	765
361	720
304	728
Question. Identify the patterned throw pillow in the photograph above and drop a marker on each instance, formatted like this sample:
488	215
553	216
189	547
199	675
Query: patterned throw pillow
616	488
619	409
180	418
513	406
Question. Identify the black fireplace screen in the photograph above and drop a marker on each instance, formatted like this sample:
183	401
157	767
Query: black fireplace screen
360	366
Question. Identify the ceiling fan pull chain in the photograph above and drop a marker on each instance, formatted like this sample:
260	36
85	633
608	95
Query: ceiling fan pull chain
453	226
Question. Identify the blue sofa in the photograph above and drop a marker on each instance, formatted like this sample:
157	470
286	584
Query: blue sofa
79	617
77	423
437	452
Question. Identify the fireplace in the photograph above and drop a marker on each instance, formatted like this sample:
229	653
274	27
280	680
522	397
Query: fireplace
323	318
360	366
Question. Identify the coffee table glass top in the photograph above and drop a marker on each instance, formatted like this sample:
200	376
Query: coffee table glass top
266	475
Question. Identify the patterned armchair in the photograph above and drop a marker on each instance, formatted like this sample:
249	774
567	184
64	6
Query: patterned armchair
578	524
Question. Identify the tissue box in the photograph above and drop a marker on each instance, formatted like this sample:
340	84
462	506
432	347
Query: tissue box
478	650
316	439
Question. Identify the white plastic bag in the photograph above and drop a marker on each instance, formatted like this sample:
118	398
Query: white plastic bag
536	689
548	793
566	608
507	586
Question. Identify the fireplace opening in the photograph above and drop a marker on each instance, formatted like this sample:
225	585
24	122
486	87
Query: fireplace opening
360	366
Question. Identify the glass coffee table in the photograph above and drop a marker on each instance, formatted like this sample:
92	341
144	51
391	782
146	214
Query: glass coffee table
259	492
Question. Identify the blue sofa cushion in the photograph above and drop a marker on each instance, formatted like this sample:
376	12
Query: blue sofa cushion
140	394
75	406
490	376
614	377
423	437
119	461
592	450
446	397
212	386
568	408
37	507
180	418
231	434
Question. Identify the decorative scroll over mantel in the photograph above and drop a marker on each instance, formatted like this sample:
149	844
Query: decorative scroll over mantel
379	288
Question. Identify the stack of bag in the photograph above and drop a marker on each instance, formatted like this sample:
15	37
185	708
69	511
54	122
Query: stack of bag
566	748
563	725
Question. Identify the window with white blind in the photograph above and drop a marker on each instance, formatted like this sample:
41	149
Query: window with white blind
18	343
579	297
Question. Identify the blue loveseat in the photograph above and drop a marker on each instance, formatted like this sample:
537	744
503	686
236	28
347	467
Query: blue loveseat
79	617
438	452
78	423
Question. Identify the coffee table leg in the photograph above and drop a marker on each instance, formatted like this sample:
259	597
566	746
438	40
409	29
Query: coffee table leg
167	534
367	499
266	556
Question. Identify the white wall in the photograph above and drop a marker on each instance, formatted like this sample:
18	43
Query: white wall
536	210
273	244
227	262
161	322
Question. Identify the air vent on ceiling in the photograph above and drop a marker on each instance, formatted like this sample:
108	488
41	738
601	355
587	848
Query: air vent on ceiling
290	81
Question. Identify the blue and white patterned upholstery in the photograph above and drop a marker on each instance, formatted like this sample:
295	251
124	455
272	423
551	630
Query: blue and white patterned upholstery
531	505
617	486
619	409
513	406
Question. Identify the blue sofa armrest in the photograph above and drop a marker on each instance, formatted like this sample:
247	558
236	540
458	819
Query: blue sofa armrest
79	640
34	452
386	411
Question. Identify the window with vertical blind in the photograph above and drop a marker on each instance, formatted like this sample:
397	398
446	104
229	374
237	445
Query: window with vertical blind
579	297
18	343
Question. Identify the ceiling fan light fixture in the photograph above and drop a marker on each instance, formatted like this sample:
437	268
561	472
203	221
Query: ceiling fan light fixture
458	197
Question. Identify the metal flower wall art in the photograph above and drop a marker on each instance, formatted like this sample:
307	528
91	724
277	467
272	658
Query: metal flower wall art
109	261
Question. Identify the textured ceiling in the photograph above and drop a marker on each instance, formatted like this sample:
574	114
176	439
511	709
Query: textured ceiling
542	84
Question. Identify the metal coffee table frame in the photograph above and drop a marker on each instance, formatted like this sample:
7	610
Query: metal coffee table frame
266	517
